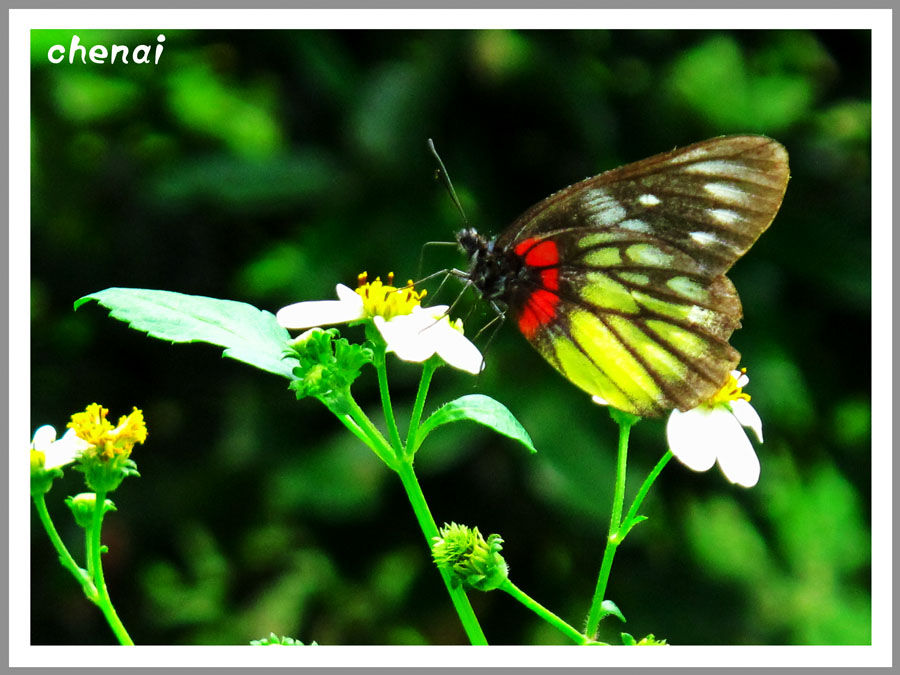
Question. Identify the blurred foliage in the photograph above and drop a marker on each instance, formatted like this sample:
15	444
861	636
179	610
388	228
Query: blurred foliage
268	166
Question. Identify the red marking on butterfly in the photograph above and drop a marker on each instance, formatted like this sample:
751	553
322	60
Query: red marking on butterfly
540	307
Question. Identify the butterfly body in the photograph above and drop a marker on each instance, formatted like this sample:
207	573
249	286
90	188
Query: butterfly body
618	281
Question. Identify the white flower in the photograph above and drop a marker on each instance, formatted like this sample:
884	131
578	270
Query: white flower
427	331
57	453
412	332
713	431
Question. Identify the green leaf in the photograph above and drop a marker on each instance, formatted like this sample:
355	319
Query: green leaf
609	608
628	640
248	334
481	409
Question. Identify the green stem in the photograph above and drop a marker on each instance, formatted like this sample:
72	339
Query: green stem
545	614
393	432
427	372
65	558
370	434
613	539
87	550
429	529
94	551
619	495
628	523
348	421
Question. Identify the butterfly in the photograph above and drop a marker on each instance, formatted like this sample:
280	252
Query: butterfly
619	280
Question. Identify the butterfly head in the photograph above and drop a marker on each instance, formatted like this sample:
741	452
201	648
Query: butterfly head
474	245
490	269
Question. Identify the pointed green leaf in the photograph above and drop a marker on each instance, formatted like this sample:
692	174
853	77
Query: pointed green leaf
483	410
248	334
609	608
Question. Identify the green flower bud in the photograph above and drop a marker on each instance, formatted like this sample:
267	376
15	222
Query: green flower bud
106	475
327	363
275	641
41	478
650	640
83	505
470	559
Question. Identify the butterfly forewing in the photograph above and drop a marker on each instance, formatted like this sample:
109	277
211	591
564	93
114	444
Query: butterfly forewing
713	198
620	284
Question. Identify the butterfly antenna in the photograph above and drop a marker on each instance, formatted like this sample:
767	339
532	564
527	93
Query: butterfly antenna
445	179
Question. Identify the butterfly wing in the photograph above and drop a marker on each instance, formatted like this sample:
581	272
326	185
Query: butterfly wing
622	286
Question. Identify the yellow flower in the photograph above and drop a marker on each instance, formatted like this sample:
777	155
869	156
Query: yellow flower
104	440
385	300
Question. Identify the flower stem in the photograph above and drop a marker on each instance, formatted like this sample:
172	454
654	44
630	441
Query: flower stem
381	369
545	614
94	551
65	558
629	521
352	426
429	529
427	371
613	539
363	428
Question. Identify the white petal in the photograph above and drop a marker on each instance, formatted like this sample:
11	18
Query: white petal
64	451
599	401
43	438
690	440
737	458
347	294
418	336
404	336
748	417
455	348
323	312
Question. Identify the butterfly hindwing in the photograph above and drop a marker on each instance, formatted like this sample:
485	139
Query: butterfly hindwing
629	322
620	278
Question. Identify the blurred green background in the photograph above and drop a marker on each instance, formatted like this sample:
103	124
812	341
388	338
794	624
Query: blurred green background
268	166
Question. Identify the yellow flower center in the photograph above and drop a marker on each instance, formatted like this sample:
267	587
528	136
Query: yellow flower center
93	427
380	299
730	391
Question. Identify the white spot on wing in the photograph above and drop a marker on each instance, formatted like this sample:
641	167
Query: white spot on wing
635	225
691	155
720	167
704	238
727	192
603	209
648	200
725	216
704	318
